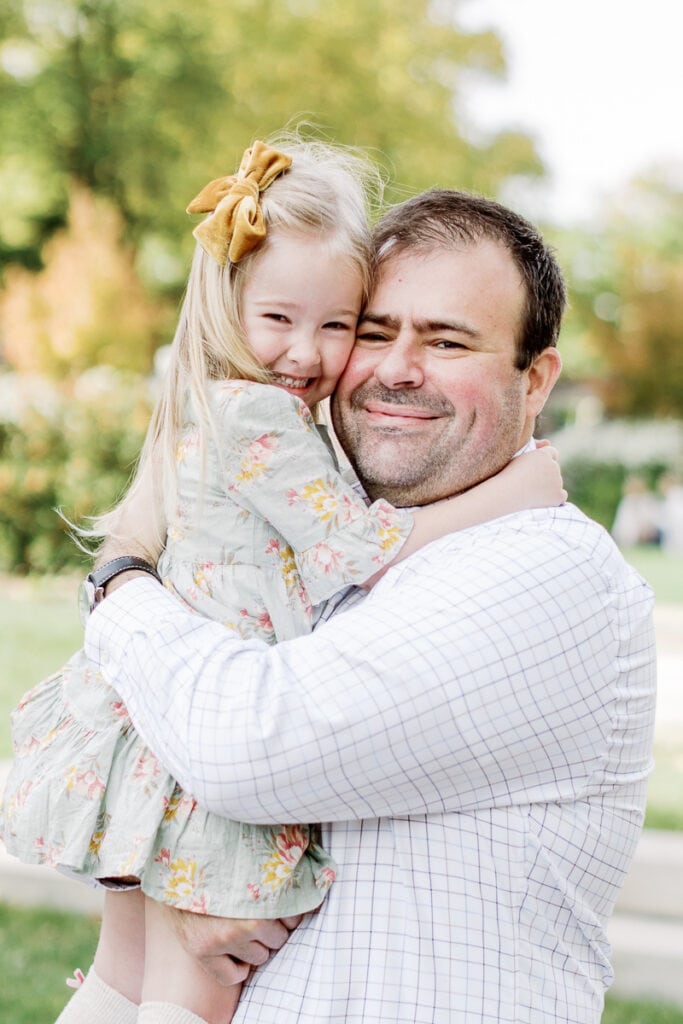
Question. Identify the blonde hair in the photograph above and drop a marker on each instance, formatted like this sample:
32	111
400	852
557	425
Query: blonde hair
328	194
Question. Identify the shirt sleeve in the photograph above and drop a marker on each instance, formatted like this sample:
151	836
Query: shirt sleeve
424	698
282	471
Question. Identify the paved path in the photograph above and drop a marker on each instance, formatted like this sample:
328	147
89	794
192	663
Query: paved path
647	930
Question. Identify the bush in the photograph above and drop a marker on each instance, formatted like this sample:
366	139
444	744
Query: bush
87	307
68	447
597	487
596	460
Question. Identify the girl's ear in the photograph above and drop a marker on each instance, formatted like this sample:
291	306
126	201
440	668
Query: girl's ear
541	378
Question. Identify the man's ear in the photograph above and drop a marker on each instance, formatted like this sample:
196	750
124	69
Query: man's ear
541	378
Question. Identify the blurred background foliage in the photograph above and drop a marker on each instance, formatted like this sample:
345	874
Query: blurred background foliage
113	113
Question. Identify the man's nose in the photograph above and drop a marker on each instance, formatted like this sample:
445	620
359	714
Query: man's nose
401	366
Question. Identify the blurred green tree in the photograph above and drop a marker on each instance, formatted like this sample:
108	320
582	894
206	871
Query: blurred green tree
142	102
627	298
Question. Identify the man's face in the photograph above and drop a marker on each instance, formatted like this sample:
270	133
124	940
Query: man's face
430	402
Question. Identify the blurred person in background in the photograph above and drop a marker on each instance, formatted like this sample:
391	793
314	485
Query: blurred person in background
638	518
671	490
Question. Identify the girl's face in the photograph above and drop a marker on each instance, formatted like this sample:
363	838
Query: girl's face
300	306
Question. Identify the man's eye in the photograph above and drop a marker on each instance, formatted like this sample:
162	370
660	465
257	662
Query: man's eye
371	336
446	344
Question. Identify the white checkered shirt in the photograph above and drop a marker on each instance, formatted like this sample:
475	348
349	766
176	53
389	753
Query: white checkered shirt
476	734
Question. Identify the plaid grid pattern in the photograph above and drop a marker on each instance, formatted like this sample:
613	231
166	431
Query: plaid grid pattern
476	735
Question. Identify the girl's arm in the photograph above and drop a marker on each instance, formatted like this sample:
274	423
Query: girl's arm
532	480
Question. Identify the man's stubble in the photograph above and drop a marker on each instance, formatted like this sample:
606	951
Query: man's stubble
411	470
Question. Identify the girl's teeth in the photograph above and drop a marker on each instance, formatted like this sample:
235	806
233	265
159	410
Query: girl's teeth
292	382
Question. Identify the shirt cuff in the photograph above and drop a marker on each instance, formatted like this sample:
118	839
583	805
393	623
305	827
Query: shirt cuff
126	611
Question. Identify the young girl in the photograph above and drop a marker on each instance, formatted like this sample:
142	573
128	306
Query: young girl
260	528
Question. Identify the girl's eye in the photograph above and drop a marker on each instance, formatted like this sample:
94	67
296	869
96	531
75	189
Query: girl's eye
279	318
337	325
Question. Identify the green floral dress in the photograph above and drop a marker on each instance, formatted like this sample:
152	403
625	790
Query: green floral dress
266	530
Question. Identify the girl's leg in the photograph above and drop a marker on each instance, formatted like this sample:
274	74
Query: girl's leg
120	955
111	991
173	978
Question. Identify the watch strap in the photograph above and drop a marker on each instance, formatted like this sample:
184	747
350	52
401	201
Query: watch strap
105	573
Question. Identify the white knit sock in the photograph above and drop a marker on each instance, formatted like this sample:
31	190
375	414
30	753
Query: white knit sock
95	1001
166	1013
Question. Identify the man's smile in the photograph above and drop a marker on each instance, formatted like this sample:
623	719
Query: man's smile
389	415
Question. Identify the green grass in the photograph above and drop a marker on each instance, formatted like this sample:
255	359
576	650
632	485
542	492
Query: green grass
665	785
39	629
40	948
664	572
618	1011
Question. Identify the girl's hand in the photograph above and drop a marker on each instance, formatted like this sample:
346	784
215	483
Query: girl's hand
532	480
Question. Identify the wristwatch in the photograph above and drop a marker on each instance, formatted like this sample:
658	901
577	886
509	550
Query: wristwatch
91	590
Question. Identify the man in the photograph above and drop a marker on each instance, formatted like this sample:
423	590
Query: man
475	734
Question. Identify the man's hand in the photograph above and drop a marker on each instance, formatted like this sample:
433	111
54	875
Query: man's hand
227	948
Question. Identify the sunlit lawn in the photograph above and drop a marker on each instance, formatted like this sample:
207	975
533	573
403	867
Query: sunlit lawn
39	629
38	950
665	786
665	809
618	1012
664	572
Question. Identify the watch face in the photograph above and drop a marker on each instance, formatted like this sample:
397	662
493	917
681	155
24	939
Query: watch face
86	599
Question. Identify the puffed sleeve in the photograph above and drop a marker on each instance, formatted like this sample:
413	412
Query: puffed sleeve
280	469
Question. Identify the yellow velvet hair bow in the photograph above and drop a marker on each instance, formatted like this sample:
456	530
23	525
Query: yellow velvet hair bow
237	224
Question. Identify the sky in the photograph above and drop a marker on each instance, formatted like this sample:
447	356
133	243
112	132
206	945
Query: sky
597	83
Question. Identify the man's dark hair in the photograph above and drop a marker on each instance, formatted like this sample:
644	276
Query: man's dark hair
446	219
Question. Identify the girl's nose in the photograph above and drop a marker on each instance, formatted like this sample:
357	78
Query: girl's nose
304	350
